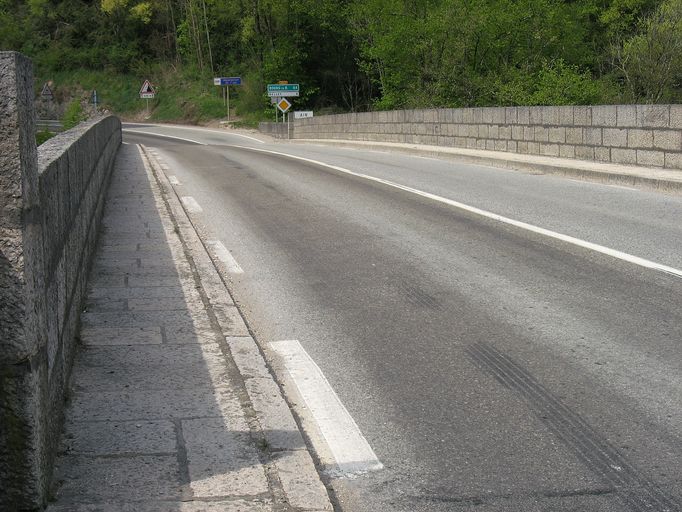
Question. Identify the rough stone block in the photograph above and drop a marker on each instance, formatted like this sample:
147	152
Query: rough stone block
517	132
24	455
604	115
650	158
535	115
567	151
541	134
549	149
584	152
675	116
602	154
490	145
141	477
592	136
483	131
500	145
640	138
505	132
221	458
615	137
574	135
565	115
623	156
487	115
511	115
494	131
118	438
673	160
550	116
557	135
582	116
653	116
296	471
534	148
668	139
498	114
528	133
512	146
522	147
626	116
480	144
523	114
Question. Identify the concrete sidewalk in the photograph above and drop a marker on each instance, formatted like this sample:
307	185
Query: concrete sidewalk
172	407
665	180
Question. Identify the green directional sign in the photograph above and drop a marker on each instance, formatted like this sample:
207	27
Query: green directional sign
282	90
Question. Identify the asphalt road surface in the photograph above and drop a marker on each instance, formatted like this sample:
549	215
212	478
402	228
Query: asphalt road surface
490	365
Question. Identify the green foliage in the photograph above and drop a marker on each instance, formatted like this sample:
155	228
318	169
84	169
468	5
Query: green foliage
73	115
352	54
43	135
650	62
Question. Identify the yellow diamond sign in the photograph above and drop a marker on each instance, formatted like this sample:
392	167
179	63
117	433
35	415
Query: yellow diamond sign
283	105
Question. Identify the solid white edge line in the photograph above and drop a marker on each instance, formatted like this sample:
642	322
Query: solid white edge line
352	453
224	255
198	130
483	213
191	204
164	136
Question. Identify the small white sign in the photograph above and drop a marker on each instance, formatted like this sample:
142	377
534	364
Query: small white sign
303	114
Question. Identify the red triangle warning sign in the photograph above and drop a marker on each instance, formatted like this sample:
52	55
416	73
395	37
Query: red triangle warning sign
147	88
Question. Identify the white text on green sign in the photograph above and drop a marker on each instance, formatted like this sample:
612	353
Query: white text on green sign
282	90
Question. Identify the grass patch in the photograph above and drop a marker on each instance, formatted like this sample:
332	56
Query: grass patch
180	96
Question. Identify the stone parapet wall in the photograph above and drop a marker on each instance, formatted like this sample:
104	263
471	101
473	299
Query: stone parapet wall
277	130
646	135
51	200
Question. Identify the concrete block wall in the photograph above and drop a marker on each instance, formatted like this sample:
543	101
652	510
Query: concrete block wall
277	130
51	203
647	135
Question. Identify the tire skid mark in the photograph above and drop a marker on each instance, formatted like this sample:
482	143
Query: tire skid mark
637	490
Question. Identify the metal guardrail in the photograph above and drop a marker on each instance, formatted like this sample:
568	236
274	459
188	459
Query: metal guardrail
51	125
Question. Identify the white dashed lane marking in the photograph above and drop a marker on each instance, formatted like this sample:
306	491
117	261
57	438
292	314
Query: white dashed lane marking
191	205
224	255
352	453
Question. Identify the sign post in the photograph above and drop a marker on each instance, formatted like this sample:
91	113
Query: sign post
226	82
284	105
94	98
147	92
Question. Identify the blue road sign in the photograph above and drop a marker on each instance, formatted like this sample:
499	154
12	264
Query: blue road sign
231	80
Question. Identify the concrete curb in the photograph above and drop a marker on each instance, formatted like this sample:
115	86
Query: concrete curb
291	471
662	180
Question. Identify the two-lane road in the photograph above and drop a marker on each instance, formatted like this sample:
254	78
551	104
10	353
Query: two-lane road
491	364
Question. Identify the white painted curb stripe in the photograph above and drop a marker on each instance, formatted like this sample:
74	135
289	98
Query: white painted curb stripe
173	180
483	213
207	130
224	255
164	136
351	451
191	204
